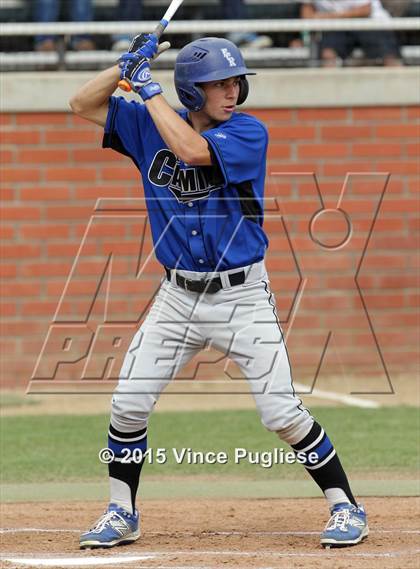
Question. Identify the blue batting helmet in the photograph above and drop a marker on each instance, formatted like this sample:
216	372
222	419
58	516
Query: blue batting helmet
208	59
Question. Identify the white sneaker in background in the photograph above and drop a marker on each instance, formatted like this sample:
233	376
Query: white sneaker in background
258	42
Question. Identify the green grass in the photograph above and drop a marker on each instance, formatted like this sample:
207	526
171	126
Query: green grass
65	448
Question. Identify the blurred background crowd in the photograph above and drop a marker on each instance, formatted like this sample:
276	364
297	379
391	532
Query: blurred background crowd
334	48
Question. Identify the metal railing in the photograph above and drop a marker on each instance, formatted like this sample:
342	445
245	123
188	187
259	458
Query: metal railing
309	29
208	26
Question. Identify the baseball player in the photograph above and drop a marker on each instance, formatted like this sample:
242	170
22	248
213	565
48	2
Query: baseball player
203	171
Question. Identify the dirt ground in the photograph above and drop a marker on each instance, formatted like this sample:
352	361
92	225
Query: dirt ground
181	534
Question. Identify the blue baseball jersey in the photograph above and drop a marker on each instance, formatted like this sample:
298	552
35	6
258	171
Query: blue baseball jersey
202	218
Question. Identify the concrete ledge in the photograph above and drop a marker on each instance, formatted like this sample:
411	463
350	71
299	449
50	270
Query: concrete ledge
271	88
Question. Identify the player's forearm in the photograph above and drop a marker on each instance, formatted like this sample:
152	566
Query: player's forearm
91	100
187	144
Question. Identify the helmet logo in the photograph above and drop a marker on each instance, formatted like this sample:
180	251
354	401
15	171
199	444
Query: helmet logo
227	55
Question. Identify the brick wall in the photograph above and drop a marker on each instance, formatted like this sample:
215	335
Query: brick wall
53	172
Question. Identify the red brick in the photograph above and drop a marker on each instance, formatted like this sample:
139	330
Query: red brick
20	251
20	329
293	169
45	231
96	191
272	115
384	300
96	230
41	119
39	308
44	193
7	309
343	168
19	213
116	173
398	131
7	232
291	132
8	271
412	300
413	112
322	151
7	194
74	174
279	151
70	250
43	156
346	132
377	260
376	150
397	281
19	175
20	137
6	119
414	224
98	155
414	185
18	289
6	156
377	113
413	149
394	206
70	212
404	167
45	269
71	137
322	115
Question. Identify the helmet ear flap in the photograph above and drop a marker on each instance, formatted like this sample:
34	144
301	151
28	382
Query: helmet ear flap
200	97
243	90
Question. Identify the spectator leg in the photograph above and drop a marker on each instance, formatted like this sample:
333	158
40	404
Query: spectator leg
45	11
329	58
233	10
380	46
128	11
82	11
236	10
335	47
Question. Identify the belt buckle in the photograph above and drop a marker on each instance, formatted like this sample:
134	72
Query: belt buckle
191	285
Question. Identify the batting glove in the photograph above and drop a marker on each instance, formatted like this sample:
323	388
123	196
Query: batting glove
142	39
136	71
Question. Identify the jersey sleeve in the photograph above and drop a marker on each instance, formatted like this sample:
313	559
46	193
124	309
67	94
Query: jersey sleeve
125	128
240	148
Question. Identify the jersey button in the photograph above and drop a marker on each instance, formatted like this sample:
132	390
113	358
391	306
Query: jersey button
201	261
194	232
190	204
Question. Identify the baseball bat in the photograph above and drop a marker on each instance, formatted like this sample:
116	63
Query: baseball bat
160	28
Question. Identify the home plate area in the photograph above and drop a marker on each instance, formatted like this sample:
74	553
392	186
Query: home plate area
204	533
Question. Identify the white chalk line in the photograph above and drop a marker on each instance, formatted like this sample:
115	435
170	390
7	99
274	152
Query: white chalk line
114	560
76	561
335	396
209	533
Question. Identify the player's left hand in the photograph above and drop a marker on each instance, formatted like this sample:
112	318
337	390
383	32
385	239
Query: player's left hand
135	69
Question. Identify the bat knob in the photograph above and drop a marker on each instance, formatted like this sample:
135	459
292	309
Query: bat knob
124	85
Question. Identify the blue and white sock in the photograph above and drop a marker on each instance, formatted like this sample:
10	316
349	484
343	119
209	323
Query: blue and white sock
323	464
124	476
